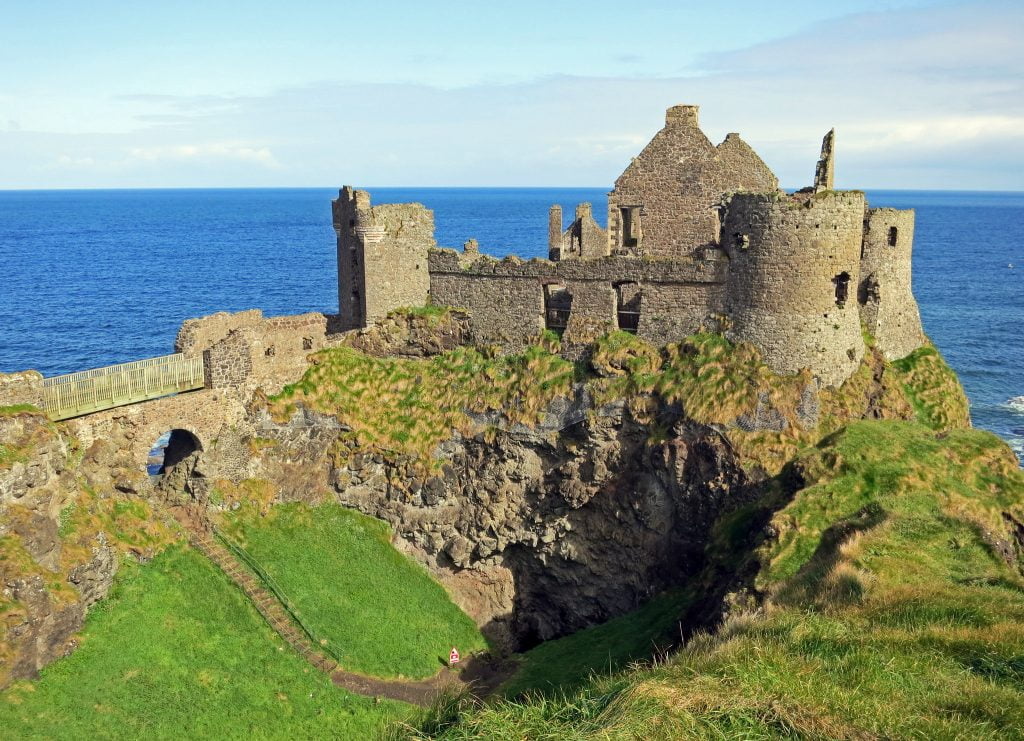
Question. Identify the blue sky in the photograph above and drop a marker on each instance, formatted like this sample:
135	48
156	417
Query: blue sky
923	94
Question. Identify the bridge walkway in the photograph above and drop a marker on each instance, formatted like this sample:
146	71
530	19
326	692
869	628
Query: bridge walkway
85	392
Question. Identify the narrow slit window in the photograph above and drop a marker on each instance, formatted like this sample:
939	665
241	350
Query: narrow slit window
630	218
842	282
893	234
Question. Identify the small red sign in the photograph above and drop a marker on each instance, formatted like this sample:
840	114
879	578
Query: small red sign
453	657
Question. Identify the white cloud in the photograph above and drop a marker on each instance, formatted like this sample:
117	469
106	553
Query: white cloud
932	133
211	151
920	98
65	160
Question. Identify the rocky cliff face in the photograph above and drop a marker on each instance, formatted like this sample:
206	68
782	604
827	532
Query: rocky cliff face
536	530
546	496
58	506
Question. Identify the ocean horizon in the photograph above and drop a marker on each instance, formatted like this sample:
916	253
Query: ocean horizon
101	276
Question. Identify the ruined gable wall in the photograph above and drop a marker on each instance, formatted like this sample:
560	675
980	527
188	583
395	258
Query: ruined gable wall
887	305
679	178
785	254
584	239
670	180
740	167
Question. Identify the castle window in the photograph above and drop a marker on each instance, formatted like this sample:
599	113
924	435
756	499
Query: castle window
893	233
842	282
627	306
557	308
629	217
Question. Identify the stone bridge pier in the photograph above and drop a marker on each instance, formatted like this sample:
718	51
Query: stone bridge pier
214	418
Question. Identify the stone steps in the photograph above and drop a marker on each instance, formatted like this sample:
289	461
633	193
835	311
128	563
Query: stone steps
262	599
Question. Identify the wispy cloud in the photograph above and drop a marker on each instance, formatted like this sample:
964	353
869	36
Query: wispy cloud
218	150
919	97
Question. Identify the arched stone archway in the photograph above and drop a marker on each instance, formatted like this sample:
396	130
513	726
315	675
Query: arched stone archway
170	449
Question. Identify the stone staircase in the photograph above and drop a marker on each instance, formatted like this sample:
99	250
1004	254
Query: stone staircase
264	601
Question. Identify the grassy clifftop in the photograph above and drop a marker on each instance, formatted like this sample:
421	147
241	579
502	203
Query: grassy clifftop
894	608
405	407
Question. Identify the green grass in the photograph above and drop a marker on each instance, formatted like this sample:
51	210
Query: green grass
177	652
407	407
565	663
890	611
380	613
13	410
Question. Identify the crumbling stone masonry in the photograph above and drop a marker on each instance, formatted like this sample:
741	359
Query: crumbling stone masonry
699	237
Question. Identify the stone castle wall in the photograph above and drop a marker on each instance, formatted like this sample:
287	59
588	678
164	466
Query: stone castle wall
23	387
795	267
887	305
267	354
505	298
699	237
196	335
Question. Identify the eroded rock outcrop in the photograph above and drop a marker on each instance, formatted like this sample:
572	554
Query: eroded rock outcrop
58	506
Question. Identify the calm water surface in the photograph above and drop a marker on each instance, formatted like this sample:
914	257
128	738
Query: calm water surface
92	278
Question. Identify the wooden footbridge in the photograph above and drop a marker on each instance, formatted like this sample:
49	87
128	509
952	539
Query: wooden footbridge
75	394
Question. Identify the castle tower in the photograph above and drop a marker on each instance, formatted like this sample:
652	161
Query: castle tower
887	305
793	277
382	256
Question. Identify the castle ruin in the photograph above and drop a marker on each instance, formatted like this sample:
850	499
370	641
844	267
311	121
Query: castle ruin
699	237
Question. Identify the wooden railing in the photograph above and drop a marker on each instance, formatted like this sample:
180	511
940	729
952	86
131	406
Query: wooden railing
116	385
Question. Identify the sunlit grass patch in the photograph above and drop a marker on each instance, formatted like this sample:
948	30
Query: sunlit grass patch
178	652
378	611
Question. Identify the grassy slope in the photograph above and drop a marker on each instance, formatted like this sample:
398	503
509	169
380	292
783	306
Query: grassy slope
568	662
380	613
177	652
891	613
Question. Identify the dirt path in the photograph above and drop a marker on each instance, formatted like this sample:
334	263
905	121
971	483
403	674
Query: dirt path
480	676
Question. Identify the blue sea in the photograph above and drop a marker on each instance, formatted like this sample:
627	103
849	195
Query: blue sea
91	278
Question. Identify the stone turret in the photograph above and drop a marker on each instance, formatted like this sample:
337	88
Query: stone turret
887	305
382	256
793	275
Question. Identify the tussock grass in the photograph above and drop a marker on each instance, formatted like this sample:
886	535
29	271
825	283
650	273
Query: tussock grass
933	389
13	410
178	652
407	407
604	649
379	612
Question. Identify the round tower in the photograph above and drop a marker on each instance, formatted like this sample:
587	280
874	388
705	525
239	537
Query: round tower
887	305
793	276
